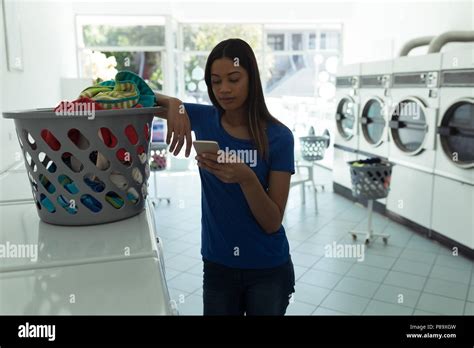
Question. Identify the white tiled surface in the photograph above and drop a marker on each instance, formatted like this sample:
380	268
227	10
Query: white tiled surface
412	275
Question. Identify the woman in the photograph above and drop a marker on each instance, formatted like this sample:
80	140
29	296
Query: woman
247	265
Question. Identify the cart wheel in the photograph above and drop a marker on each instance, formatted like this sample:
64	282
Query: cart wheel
354	236
385	240
367	241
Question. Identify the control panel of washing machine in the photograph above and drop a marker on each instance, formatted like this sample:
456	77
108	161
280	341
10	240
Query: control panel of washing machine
420	79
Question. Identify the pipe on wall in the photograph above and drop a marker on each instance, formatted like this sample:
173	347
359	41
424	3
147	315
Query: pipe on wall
414	43
451	36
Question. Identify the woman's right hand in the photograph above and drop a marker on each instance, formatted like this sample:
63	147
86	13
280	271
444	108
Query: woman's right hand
179	127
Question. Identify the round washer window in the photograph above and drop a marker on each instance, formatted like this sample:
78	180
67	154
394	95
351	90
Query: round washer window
411	128
373	121
346	118
457	133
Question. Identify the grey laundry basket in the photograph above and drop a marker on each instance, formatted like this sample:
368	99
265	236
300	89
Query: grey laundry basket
313	147
86	170
371	181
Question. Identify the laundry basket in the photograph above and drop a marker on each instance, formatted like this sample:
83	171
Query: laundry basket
86	170
370	178
313	147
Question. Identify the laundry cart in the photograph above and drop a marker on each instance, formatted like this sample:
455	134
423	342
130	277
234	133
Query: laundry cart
107	269
370	181
158	157
313	148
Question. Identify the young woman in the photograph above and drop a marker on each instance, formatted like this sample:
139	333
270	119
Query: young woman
247	265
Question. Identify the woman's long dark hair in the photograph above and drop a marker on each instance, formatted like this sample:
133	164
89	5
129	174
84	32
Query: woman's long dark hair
258	113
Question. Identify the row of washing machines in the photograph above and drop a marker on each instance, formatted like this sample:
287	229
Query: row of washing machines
417	112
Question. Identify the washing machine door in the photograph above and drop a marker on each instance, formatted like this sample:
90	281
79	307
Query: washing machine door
408	125
346	117
373	121
456	133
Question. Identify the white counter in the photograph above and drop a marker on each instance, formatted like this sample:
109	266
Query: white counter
68	245
123	287
114	268
15	186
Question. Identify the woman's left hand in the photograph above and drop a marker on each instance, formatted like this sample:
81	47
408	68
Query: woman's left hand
228	169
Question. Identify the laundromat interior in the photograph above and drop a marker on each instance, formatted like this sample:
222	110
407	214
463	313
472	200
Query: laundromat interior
100	217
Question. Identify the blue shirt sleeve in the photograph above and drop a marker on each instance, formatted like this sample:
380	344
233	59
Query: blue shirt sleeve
197	114
282	153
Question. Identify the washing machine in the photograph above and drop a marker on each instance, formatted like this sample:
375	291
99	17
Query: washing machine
346	142
412	122
375	101
453	193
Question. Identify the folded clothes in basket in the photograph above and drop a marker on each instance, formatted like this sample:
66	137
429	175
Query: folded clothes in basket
127	90
368	161
71	209
116	201
47	184
48	204
122	95
91	203
95	184
158	162
67	183
119	180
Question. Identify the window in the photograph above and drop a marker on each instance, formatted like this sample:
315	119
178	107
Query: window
198	41
297	62
299	83
108	35
312	41
107	44
329	40
296	42
323	41
276	41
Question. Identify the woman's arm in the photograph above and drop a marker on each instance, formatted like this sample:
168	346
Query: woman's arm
268	208
166	102
177	122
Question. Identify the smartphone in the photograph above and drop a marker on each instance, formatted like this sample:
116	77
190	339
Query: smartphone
202	146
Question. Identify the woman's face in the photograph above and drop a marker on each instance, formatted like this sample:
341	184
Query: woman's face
230	84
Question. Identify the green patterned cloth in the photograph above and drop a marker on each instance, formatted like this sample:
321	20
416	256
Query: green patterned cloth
126	91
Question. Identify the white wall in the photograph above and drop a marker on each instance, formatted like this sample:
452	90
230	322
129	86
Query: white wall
8	144
376	31
47	33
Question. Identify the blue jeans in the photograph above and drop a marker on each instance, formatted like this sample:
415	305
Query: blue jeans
231	291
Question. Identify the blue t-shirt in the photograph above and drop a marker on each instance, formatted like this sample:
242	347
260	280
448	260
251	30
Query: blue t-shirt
231	235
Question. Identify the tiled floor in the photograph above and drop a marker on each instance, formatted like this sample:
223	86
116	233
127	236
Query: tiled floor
411	275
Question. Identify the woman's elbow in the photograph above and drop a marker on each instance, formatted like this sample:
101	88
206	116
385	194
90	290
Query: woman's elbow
272	228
